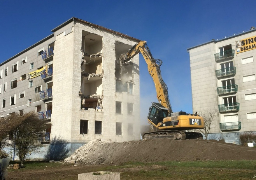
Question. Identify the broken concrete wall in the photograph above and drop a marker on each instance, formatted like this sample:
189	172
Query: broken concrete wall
85	59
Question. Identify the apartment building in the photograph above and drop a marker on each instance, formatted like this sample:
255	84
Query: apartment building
74	78
223	81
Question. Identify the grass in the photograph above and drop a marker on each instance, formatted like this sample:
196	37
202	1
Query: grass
157	170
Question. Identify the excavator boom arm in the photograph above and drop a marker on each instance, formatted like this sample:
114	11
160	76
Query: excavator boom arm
154	71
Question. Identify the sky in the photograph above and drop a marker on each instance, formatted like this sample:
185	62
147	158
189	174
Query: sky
170	27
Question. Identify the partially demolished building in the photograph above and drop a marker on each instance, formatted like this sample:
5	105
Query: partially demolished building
74	79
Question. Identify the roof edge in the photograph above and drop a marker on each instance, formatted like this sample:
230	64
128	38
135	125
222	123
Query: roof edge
95	26
25	50
215	41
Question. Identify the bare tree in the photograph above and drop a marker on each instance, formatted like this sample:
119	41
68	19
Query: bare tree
209	117
26	130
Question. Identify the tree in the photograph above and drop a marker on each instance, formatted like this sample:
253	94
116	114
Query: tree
26	132
209	117
6	126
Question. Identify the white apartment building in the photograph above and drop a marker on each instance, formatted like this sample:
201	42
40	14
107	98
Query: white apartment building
73	78
223	81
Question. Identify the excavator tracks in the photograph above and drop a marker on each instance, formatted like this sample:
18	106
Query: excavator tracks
176	135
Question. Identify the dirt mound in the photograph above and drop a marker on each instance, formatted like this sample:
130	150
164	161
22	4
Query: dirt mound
154	150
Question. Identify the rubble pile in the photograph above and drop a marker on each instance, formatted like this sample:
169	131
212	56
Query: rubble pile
89	153
159	150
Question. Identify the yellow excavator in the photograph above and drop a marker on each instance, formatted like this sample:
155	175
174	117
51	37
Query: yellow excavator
163	122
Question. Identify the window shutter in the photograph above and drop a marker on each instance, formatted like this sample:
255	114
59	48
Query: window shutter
17	65
10	100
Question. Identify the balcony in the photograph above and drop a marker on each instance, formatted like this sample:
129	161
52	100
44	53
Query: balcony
45	115
45	138
48	55
231	71
46	95
230	126
228	54
41	115
227	90
231	107
48	114
47	76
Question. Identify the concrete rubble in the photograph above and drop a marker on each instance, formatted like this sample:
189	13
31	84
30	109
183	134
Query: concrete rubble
90	153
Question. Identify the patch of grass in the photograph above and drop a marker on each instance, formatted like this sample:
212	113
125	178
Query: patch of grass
33	165
146	171
213	164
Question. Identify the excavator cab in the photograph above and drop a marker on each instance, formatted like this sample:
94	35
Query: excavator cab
157	113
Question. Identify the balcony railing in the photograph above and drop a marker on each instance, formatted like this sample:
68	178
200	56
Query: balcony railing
45	115
48	54
227	89
231	107
46	94
226	55
231	71
41	115
45	137
230	126
45	74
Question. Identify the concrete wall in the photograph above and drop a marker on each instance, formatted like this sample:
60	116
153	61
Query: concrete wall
203	81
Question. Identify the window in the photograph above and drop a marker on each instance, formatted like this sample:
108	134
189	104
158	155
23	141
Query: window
130	108
6	71
98	127
22	95
227	84
229	101
23	61
38	108
30	84
0	88
118	107
14	84
228	66
247	60
130	88
40	52
130	129
21	112
15	67
83	126
249	78
13	100
118	128
38	89
5	86
31	66
226	50
251	115
23	77
1	74
29	102
250	96
3	105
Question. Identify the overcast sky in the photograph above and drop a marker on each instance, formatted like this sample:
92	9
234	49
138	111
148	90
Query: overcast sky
170	27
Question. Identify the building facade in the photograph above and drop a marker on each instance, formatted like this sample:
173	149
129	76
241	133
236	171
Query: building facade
74	79
223	82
